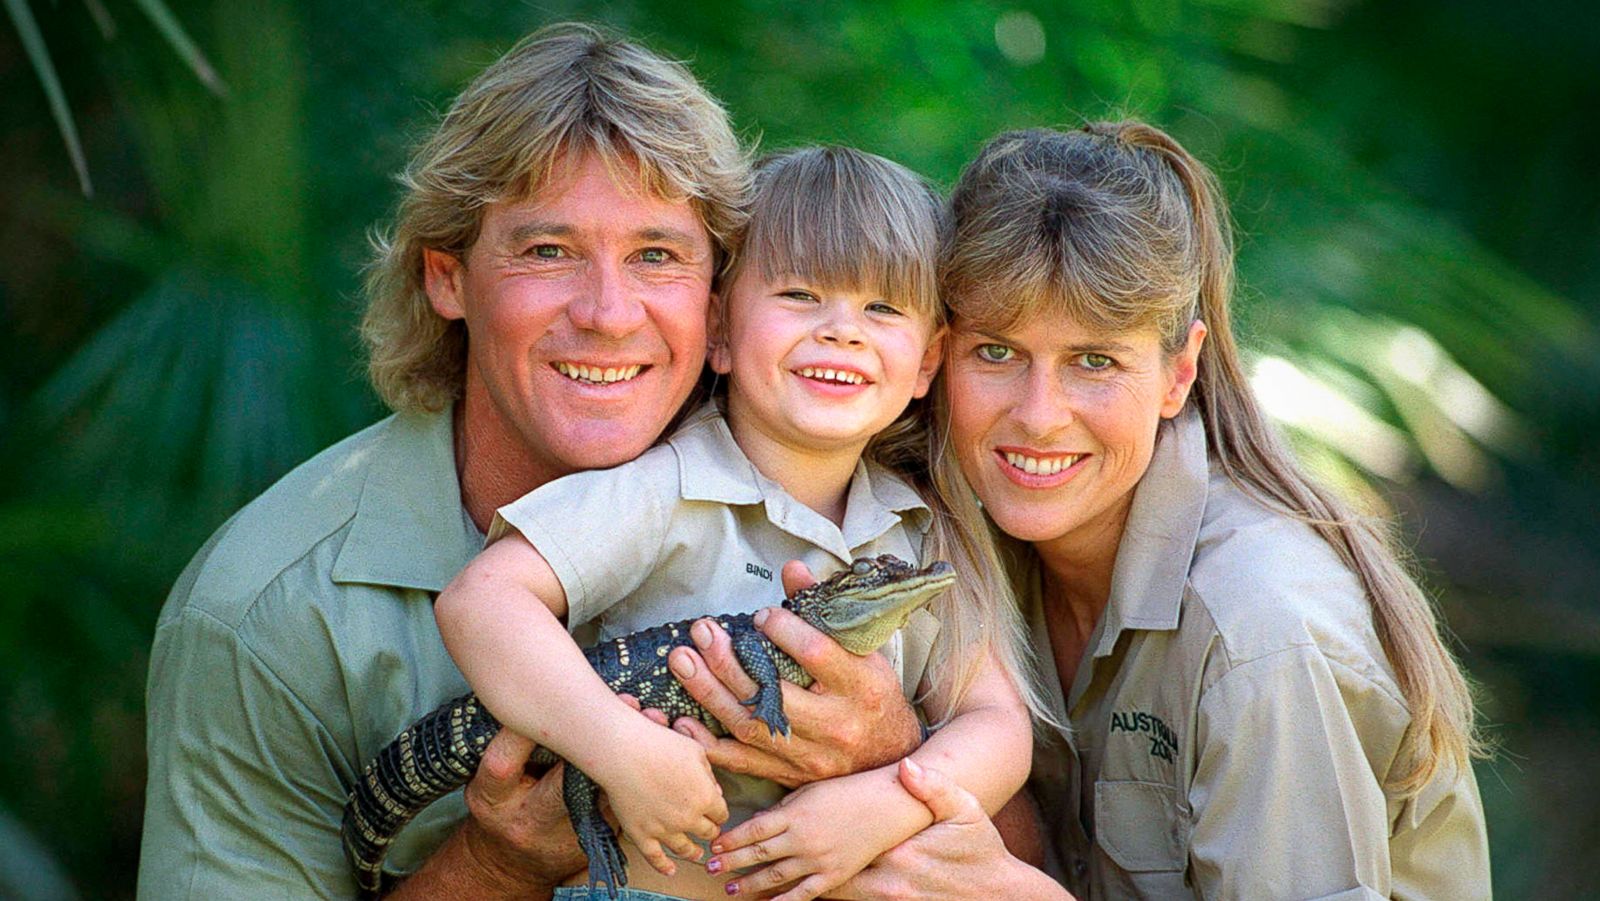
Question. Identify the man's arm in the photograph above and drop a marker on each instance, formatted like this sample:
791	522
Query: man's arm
854	717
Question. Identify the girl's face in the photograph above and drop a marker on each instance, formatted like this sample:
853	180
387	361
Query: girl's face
1054	424
815	369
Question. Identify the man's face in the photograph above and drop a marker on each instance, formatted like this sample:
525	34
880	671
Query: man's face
585	308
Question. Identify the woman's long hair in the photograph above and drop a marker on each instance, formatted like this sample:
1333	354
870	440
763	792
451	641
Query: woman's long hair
1116	226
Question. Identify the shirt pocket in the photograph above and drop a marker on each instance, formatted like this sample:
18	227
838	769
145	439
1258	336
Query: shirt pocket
1142	826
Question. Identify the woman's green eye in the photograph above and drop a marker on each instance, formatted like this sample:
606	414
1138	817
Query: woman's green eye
653	255
1097	361
995	353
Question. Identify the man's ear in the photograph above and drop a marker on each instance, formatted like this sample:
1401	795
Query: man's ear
1183	369
717	336
931	358
441	278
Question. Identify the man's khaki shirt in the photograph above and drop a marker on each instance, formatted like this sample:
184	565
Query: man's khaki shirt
1234	717
299	642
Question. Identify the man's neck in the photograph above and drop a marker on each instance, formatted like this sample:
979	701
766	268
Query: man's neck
492	465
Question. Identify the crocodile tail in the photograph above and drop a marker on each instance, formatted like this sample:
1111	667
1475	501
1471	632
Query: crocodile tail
435	756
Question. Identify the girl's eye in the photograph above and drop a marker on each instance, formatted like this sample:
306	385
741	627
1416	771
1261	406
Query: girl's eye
803	296
879	306
1096	362
654	255
994	353
546	251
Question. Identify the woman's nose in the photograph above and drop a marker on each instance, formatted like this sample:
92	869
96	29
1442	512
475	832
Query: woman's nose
1044	406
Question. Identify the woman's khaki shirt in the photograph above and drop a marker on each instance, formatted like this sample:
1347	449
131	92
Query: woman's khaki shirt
1234	719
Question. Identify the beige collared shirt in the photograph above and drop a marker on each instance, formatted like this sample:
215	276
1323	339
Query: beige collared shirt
1234	717
692	528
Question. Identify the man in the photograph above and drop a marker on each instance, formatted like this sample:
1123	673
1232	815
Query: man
301	638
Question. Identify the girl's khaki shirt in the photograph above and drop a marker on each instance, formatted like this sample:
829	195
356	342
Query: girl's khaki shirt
1234	719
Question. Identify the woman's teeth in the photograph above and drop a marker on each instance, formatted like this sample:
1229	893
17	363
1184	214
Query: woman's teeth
833	375
1041	466
598	375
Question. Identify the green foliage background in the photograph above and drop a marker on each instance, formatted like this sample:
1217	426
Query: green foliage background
1413	181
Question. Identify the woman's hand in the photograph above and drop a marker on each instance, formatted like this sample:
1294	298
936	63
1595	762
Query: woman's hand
960	856
853	718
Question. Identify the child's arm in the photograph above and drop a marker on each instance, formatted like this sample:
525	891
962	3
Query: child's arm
826	832
500	619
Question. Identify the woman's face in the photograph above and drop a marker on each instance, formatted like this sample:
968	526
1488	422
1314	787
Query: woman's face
1055	423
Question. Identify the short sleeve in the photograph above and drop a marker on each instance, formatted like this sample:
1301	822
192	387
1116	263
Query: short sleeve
1285	800
243	798
601	531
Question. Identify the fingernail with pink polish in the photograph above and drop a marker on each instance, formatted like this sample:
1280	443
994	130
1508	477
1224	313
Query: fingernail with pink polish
714	865
731	888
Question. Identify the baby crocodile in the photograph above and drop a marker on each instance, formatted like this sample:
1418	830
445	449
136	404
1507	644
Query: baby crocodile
860	607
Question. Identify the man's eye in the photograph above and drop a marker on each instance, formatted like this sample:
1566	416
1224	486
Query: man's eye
654	255
994	353
546	251
1096	362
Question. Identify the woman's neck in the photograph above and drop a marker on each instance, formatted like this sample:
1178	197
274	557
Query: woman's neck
1077	570
820	479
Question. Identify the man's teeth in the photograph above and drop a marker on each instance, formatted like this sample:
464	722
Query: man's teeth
597	374
833	375
1041	466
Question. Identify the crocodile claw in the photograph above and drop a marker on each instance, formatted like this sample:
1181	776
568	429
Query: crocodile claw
607	863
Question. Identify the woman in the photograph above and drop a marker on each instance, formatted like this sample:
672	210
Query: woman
1252	696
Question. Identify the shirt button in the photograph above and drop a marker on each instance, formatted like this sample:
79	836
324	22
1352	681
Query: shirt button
1080	868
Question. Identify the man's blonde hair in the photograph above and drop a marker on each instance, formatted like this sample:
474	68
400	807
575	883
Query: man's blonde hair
561	92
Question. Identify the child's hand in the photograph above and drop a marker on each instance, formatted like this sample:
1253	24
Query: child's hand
662	791
815	836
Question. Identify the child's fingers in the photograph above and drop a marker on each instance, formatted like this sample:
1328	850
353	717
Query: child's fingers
707	829
682	846
760	851
761	827
657	857
783	872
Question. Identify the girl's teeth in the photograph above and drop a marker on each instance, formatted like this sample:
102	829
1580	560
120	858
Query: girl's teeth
832	375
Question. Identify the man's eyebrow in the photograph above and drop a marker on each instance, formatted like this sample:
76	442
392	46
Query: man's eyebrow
527	231
665	235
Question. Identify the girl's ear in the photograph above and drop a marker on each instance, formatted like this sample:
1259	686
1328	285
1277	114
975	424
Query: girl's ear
717	336
1183	369
441	278
931	358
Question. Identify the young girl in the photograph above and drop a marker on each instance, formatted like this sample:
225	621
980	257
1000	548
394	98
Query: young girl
829	328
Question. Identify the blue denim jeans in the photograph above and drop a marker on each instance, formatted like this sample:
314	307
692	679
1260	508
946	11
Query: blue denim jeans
584	893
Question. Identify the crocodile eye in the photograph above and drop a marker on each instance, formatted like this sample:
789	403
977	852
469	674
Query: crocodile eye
861	567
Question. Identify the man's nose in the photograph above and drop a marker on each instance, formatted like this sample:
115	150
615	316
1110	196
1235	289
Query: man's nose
606	303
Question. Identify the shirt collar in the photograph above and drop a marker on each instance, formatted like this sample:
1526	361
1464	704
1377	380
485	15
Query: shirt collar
1158	542
409	530
712	467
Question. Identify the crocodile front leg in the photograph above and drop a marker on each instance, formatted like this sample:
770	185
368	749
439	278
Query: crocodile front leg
755	655
607	863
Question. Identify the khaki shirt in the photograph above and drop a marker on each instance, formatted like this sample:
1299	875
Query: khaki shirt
692	528
1234	717
299	642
